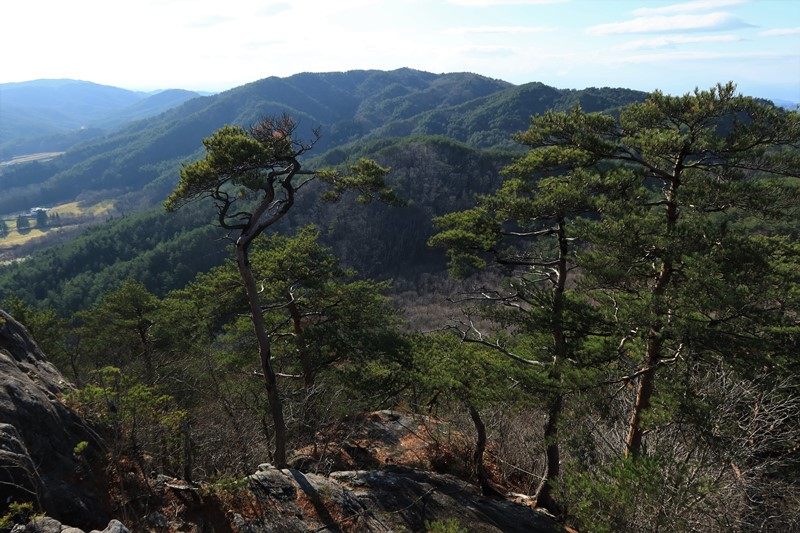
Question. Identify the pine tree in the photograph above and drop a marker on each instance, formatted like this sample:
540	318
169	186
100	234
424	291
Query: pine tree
41	218
253	177
670	256
651	215
527	231
23	224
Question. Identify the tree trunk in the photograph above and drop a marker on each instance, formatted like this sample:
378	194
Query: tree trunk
142	327
297	325
478	468
264	352
655	339
544	492
310	416
644	393
187	451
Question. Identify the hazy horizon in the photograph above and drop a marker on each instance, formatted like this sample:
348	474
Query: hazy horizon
203	46
203	92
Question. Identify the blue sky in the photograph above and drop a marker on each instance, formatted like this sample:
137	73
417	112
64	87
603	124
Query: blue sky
218	44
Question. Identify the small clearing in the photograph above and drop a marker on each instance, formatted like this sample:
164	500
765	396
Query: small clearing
75	209
15	238
27	158
74	213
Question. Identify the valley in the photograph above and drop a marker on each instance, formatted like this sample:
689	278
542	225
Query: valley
61	223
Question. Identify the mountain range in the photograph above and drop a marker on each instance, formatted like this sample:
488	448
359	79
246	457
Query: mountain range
444	135
347	108
52	112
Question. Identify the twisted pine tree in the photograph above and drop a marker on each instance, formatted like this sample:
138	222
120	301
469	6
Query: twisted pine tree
253	177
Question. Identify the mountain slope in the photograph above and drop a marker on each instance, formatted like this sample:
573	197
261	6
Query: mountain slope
42	107
345	106
360	113
51	115
164	250
146	107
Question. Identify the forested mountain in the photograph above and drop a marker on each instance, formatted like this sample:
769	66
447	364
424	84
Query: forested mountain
41	107
146	107
345	107
440	134
433	174
50	115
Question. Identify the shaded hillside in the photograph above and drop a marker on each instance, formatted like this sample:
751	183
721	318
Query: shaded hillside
434	175
346	107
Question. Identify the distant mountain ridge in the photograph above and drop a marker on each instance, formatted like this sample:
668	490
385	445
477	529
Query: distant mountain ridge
142	159
40	108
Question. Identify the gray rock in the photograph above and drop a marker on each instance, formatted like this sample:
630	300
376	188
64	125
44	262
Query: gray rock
157	521
18	471
42	524
46	524
391	499
115	526
38	434
271	482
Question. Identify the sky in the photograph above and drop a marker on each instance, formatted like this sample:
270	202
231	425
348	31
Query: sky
213	45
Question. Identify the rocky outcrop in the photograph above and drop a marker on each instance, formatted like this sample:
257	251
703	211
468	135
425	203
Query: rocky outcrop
38	434
393	498
390	499
45	524
375	477
380	438
377	472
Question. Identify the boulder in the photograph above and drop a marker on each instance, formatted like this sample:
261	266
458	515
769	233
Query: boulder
38	434
392	498
373	440
46	524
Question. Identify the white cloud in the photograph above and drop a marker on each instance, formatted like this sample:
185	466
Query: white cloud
671	24
506	30
776	32
489	3
689	56
672	40
686	7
